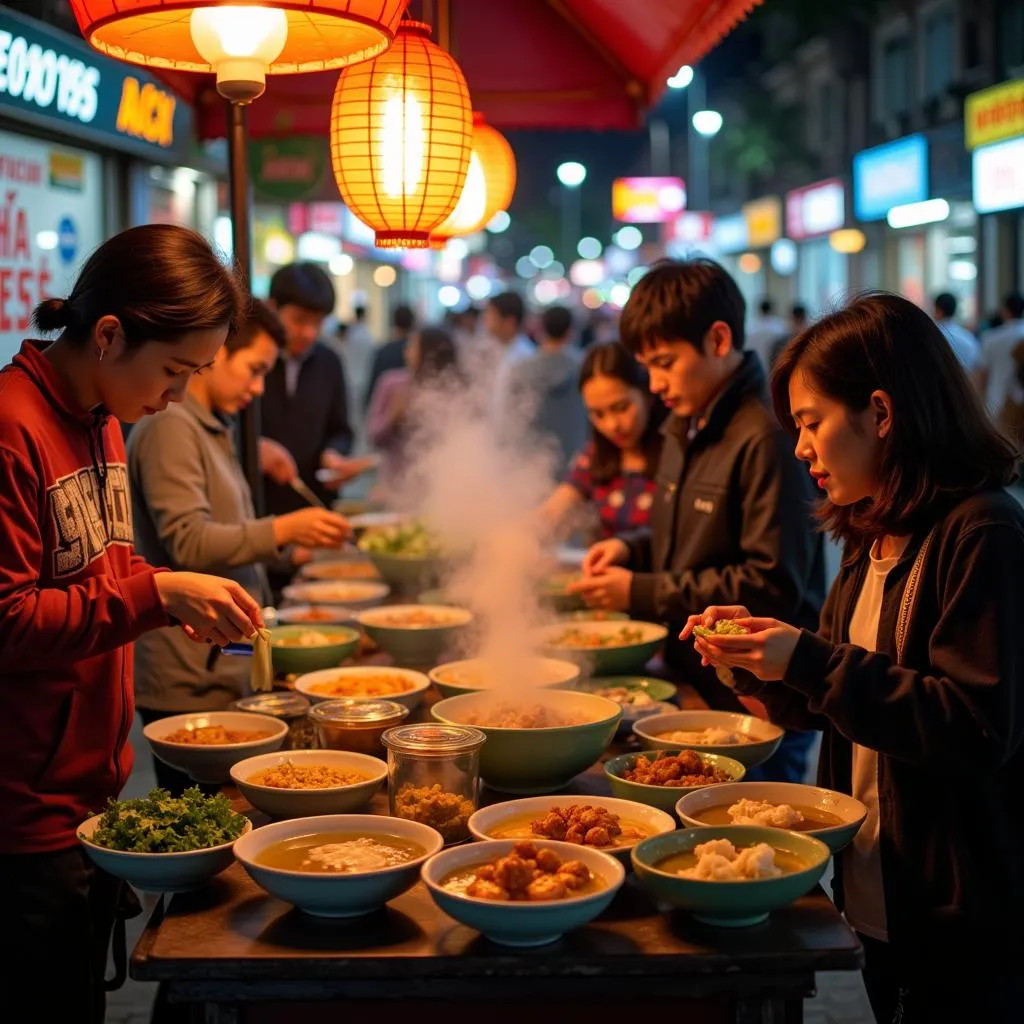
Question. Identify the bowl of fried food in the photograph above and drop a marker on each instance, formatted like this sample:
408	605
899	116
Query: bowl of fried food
521	893
660	778
605	648
160	843
744	738
537	741
416	634
205	744
303	783
601	823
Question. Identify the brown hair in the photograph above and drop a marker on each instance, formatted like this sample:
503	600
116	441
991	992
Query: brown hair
614	360
159	280
261	319
942	446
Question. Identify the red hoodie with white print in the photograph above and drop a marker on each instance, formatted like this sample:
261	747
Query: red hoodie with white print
73	597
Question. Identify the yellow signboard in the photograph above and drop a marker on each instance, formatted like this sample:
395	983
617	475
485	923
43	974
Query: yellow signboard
146	112
994	114
764	221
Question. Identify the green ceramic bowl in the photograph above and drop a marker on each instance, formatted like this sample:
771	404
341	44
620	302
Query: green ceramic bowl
397	631
310	657
655	693
730	904
662	797
530	761
552	592
408	574
760	739
849	811
618	658
455	678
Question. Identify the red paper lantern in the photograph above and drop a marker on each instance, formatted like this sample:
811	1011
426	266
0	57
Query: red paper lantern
401	134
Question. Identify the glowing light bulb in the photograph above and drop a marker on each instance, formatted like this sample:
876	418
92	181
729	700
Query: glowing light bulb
402	146
472	203
240	43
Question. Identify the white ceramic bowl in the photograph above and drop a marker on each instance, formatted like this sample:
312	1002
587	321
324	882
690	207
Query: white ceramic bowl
521	924
763	738
415	644
336	895
353	593
411	698
455	678
487	820
159	872
213	763
335	615
851	811
303	803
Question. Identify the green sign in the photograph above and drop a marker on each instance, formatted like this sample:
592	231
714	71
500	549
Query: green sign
57	81
287	170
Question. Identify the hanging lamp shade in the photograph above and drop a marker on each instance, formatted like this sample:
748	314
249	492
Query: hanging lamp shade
240	42
401	134
490	184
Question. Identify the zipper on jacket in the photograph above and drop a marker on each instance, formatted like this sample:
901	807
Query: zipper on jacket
122	733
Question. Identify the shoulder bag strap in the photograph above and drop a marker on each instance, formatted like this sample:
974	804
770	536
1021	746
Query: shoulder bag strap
909	597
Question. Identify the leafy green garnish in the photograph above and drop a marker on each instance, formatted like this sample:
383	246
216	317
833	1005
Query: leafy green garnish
160	823
413	540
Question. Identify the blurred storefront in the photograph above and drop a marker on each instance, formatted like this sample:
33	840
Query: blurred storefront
813	214
994	135
79	135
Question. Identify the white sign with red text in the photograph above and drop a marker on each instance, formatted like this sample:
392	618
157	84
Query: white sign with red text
51	218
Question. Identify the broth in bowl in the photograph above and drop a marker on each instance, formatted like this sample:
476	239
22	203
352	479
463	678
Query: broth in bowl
334	853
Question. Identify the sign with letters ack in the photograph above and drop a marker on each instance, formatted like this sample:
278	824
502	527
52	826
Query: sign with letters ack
56	81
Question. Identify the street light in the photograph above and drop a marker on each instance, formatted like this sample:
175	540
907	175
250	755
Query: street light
571	174
681	79
707	123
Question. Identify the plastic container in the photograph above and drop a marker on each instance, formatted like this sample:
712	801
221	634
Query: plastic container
292	708
355	725
434	776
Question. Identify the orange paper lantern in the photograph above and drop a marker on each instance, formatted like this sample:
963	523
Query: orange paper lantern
401	133
240	41
490	184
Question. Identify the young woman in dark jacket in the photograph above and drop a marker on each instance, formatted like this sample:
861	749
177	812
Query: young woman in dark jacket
916	674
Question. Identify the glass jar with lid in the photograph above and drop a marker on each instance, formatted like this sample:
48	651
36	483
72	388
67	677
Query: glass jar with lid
292	708
434	776
355	725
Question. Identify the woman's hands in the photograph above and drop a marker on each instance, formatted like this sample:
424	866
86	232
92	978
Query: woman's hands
209	608
765	650
312	528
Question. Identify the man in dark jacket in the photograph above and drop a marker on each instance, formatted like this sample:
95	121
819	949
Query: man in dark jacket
731	521
305	406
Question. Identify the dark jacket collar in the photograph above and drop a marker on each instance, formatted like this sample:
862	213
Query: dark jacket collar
748	380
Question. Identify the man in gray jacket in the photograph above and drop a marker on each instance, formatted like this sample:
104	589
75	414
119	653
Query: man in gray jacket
193	512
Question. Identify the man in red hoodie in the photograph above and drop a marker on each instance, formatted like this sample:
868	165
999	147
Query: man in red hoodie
73	596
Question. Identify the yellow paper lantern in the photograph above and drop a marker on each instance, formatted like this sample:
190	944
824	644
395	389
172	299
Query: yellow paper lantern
490	184
401	134
240	42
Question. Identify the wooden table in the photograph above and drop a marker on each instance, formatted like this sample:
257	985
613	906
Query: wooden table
247	956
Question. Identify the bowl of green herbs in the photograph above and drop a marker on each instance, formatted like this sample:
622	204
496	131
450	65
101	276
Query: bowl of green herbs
161	843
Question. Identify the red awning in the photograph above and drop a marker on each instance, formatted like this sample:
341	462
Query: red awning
585	64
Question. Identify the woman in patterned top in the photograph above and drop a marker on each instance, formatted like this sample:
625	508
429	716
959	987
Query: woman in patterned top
614	474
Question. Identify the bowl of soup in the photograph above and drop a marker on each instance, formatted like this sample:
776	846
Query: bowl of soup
744	738
298	648
350	593
300	783
415	634
537	741
730	875
604	648
316	615
659	777
365	682
337	865
205	744
832	817
598	823
490	886
456	678
340	569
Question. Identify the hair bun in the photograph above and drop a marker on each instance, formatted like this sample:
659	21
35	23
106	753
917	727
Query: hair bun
52	315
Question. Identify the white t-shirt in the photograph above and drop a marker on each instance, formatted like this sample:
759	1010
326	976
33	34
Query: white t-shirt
997	347
862	861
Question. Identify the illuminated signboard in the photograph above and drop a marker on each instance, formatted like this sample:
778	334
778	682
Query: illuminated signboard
648	200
